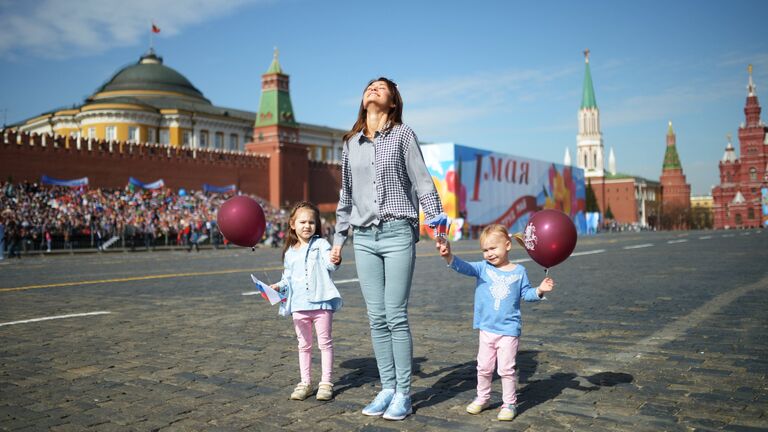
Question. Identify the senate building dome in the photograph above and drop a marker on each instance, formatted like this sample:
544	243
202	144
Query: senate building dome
148	78
149	102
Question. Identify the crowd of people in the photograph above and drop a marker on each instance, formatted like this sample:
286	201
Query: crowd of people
44	218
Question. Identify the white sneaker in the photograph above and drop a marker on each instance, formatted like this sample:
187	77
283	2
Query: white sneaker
324	391
301	392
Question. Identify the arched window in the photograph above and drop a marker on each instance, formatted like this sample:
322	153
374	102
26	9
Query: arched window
753	174
595	159
750	213
585	160
738	219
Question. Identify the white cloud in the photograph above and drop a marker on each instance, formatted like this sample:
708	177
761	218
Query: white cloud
65	29
440	108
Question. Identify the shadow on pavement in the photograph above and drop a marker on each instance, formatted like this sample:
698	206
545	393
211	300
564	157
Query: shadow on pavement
463	377
540	391
364	371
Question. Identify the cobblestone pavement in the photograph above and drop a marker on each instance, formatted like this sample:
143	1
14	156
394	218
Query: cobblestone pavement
645	331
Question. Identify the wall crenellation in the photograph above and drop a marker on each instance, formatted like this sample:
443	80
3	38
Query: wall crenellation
122	149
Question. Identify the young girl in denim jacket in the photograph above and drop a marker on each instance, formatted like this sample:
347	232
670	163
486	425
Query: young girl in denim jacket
311	296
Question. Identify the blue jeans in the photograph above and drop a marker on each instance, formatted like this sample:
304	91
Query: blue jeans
385	256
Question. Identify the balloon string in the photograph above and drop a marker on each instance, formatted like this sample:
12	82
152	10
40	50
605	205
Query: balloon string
546	272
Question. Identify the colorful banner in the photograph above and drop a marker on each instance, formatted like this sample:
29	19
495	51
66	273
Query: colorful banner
69	183
219	189
154	185
484	187
765	206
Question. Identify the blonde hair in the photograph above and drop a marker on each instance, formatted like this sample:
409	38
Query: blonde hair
493	229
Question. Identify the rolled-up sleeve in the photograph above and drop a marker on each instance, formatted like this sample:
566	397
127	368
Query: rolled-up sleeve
344	209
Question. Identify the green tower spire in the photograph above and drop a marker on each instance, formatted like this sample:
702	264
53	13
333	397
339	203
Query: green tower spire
274	67
588	94
671	159
275	106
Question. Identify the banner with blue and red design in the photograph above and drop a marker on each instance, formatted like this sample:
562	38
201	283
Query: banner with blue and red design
219	189
81	182
154	185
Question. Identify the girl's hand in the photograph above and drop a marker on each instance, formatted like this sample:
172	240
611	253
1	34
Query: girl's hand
335	256
547	285
444	248
275	287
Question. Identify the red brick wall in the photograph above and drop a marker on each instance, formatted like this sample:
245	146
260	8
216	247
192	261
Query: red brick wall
324	185
111	169
619	196
25	158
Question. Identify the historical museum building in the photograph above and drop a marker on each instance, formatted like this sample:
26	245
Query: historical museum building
737	199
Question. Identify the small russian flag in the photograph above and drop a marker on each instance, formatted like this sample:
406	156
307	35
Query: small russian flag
270	295
440	224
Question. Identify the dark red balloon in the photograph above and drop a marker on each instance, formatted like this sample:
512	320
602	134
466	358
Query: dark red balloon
549	237
241	220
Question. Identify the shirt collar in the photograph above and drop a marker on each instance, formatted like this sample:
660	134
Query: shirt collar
361	136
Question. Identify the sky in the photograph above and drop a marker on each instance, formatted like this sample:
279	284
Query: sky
499	75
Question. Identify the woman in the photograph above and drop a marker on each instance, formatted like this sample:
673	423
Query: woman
383	181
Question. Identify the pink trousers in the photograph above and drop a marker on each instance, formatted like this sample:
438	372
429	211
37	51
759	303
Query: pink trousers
502	349
322	320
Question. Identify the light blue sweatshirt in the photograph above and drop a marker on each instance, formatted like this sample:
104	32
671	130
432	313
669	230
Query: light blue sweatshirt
497	295
306	282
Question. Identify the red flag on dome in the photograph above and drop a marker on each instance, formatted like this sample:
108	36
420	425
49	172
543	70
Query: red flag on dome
155	29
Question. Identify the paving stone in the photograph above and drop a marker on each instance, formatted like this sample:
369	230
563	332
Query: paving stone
194	354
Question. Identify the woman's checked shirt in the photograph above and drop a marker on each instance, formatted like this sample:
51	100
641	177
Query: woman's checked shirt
383	180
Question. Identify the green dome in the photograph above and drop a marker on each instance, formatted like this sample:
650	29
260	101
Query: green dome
150	74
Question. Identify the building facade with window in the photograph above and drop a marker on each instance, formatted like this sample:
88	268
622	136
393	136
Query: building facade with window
631	200
737	199
149	102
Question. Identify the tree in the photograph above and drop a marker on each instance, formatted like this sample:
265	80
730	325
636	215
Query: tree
675	216
608	213
591	199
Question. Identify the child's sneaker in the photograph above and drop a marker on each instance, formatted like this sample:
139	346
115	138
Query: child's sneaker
477	407
301	392
324	391
507	413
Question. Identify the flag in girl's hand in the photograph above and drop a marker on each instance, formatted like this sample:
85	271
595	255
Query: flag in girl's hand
272	296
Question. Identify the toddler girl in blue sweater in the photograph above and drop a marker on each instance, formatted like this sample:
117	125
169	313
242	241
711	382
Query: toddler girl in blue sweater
500	287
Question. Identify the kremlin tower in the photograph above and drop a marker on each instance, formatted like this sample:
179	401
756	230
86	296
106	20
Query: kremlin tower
275	132
676	193
622	199
589	141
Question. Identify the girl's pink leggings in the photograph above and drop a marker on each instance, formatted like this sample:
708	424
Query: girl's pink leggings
502	349
322	320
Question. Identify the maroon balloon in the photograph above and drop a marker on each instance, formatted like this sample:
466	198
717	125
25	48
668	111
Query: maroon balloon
549	237
241	220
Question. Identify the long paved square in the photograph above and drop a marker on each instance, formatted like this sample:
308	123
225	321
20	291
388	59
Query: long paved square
645	331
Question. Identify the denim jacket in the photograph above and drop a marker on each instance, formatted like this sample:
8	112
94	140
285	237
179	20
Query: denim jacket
318	270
